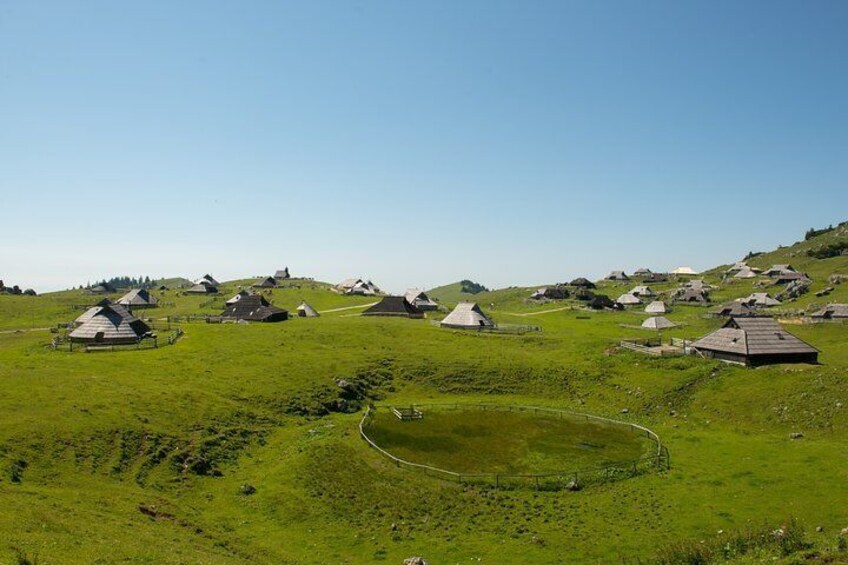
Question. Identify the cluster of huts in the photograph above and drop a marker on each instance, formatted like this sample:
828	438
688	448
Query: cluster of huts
414	304
357	287
747	337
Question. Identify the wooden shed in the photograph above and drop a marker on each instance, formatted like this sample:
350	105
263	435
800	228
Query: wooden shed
754	342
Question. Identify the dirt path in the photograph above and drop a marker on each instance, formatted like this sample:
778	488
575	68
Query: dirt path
347	308
24	330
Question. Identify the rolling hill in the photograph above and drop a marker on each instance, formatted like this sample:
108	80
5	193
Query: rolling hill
238	444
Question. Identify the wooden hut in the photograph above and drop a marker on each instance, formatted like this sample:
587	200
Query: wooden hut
282	274
832	312
265	282
657	307
761	299
617	276
736	310
658	323
306	311
254	308
582	282
467	316
203	286
628	299
102	288
642	291
138	298
397	306
420	300
754	342
209	279
109	325
237	297
551	293
602	302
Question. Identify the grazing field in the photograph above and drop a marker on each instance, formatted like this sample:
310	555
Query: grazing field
476	440
238	444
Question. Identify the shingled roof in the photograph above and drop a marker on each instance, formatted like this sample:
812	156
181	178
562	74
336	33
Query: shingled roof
255	308
736	310
203	287
628	299
265	282
237	297
832	311
420	300
467	315
138	298
394	306
111	325
753	338
307	311
658	323
582	282
657	307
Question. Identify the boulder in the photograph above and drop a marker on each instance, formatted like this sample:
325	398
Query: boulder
573	485
415	561
796	435
247	490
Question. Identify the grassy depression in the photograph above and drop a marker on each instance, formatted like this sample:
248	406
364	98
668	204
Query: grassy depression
473	440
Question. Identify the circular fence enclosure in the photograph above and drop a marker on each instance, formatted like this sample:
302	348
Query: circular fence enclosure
655	456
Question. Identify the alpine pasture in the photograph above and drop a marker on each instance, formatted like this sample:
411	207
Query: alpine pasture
237	443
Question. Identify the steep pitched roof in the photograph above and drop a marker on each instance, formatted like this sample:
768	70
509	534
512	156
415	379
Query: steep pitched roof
203	287
209	279
94	310
628	299
642	290
582	282
617	276
237	297
255	308
110	324
264	282
419	299
745	272
307	311
393	306
657	307
601	301
779	270
752	337
684	271
138	297
832	311
467	315
282	273
658	323
761	299
348	284
737	310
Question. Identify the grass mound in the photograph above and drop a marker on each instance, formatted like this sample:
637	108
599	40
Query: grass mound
473	440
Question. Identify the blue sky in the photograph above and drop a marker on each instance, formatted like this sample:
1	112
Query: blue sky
414	143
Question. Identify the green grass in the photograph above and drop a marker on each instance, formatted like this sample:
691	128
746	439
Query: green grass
140	456
472	440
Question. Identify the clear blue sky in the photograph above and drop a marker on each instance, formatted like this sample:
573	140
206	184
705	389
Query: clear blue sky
414	143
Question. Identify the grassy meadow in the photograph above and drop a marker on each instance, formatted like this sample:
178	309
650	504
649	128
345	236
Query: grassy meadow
473	440
144	456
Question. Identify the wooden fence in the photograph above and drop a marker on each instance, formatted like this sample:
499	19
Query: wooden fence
658	459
